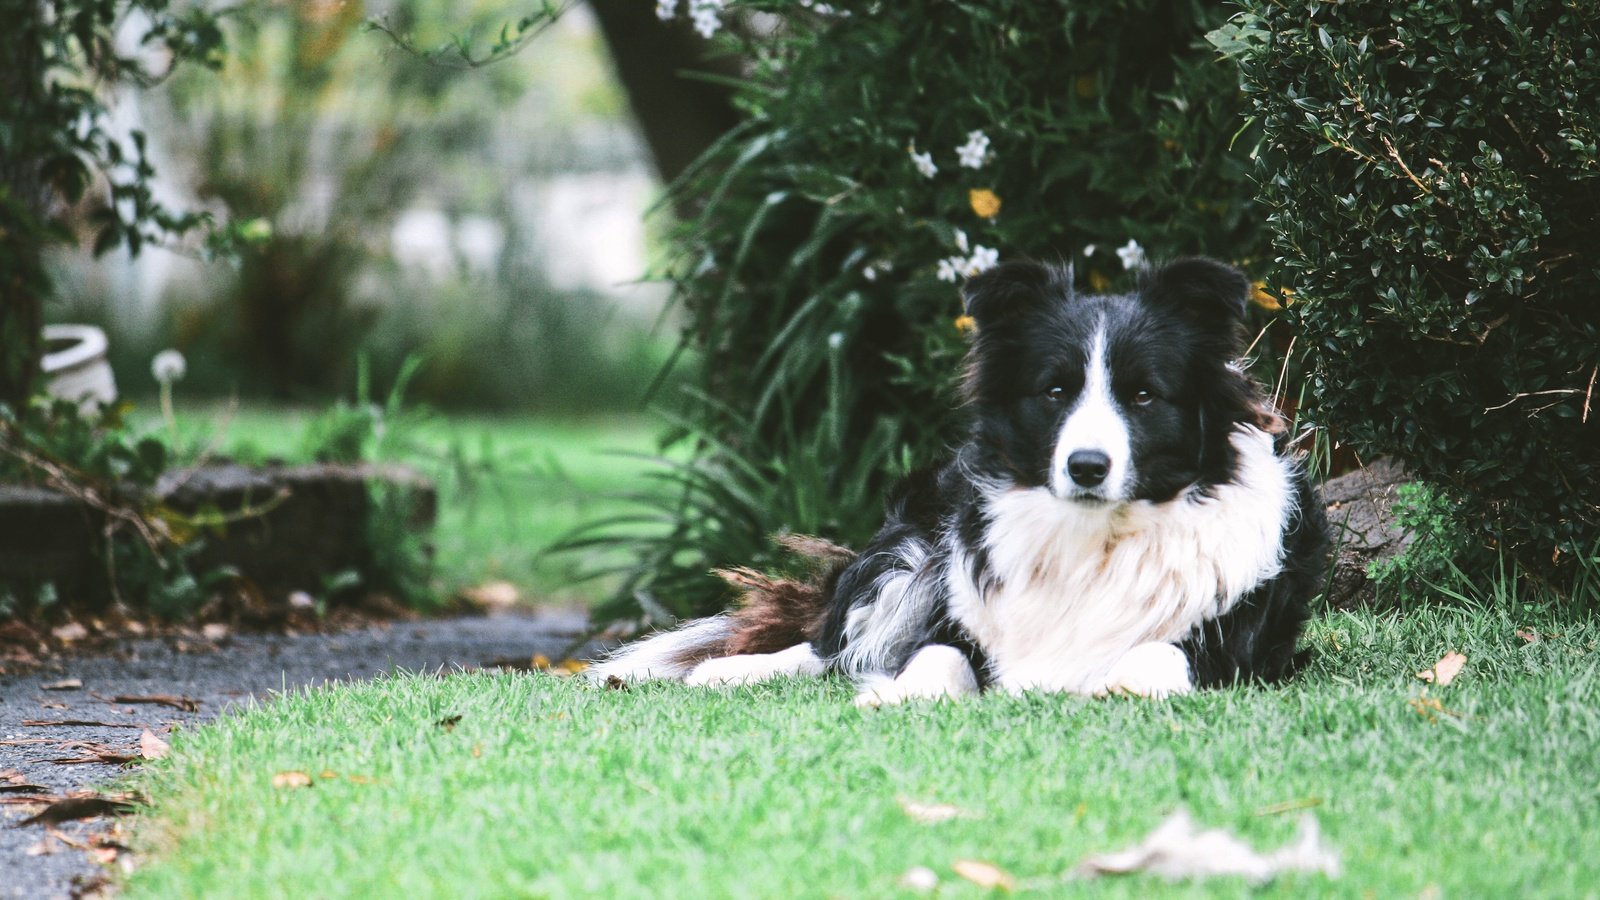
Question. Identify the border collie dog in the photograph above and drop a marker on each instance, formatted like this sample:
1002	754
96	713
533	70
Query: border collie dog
1117	519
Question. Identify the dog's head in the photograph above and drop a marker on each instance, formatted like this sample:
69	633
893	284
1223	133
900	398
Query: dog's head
1105	399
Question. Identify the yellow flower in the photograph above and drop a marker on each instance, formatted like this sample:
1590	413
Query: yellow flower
1098	281
984	202
965	324
1266	300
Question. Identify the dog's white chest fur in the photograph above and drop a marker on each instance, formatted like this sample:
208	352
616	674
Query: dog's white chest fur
1078	587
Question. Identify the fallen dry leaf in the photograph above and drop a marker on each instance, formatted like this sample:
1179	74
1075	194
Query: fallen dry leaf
1445	670
493	595
185	704
52	723
78	808
215	631
106	756
72	631
291	780
1288	806
95	752
51	705
14	776
933	813
31	803
152	747
1175	850
63	838
327	774
1426	707
65	684
1528	635
984	874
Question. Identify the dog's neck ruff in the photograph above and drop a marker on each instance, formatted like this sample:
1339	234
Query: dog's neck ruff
1069	588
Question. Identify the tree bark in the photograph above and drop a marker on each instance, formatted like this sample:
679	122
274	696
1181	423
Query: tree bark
23	203
680	116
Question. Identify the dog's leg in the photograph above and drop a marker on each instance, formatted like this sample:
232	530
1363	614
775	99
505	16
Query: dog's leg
1153	670
937	671
751	668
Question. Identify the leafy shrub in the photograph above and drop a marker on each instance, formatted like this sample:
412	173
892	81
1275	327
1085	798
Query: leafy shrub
1432	175
890	149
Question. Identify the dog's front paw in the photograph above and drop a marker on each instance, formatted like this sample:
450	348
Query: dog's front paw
1153	670
937	672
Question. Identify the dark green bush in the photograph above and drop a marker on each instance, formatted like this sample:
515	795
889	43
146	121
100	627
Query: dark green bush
811	276
1432	175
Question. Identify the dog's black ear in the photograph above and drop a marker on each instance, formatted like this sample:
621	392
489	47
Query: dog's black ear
1011	289
1210	294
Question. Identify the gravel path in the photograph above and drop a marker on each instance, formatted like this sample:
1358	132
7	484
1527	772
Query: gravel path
217	676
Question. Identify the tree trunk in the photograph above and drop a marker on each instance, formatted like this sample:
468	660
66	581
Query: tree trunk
679	116
23	202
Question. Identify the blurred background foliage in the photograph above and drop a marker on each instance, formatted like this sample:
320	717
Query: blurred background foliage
486	220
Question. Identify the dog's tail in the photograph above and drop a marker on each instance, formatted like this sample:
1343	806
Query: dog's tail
773	614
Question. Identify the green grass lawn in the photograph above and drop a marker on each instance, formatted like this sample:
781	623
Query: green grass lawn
1489	787
508	486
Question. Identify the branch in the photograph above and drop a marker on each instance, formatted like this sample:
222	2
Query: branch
457	53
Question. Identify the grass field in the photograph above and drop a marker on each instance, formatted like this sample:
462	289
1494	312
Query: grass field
508	486
1489	787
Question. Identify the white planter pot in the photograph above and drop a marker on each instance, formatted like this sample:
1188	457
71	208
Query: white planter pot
75	367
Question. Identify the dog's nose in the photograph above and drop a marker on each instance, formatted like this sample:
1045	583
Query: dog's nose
1088	467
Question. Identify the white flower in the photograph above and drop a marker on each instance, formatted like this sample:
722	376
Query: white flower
975	152
924	164
836	340
666	9
950	268
169	366
983	259
1131	254
961	240
704	15
1088	250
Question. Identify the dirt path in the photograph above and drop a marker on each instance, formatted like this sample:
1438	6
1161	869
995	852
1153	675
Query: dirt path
217	677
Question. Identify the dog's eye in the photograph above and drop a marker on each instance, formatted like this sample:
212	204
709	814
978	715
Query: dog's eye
1055	392
1143	397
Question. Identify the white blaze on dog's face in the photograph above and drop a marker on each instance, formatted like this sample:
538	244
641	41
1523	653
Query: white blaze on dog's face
1093	459
1106	399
